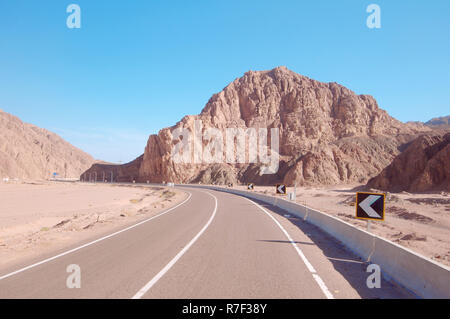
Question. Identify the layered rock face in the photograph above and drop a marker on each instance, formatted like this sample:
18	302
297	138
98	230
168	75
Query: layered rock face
30	152
107	172
327	133
423	166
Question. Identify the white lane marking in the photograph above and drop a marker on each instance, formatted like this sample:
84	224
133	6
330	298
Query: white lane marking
310	267
95	241
323	286
166	268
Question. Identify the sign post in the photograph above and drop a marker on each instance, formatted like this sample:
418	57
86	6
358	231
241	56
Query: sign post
295	190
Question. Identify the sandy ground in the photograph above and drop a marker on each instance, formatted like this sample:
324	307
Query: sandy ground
420	222
40	217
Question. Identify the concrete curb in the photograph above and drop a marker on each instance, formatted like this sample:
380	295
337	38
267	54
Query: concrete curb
424	277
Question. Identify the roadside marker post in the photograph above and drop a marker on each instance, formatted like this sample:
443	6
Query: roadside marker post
295	191
306	211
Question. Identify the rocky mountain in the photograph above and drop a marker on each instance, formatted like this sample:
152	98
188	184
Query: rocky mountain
327	135
30	152
108	172
439	123
423	166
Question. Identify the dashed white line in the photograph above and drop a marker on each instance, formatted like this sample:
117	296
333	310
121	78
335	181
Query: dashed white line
310	267
166	268
93	242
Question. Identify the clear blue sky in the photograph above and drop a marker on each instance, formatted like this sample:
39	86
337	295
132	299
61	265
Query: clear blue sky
135	67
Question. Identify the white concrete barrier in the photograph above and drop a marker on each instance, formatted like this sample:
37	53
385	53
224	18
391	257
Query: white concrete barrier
422	276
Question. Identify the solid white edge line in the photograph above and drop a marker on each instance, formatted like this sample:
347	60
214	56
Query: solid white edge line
166	268
323	286
310	267
95	241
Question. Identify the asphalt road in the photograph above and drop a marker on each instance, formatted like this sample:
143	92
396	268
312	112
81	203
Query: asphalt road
213	245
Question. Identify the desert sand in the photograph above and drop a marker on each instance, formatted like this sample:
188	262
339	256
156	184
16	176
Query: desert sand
41	217
420	222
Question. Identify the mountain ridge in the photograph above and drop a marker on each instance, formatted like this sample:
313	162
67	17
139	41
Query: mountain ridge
311	117
328	134
30	152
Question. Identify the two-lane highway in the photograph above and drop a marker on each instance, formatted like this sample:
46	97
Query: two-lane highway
213	245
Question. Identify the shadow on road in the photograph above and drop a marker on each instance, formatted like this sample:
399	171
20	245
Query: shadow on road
350	266
287	242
